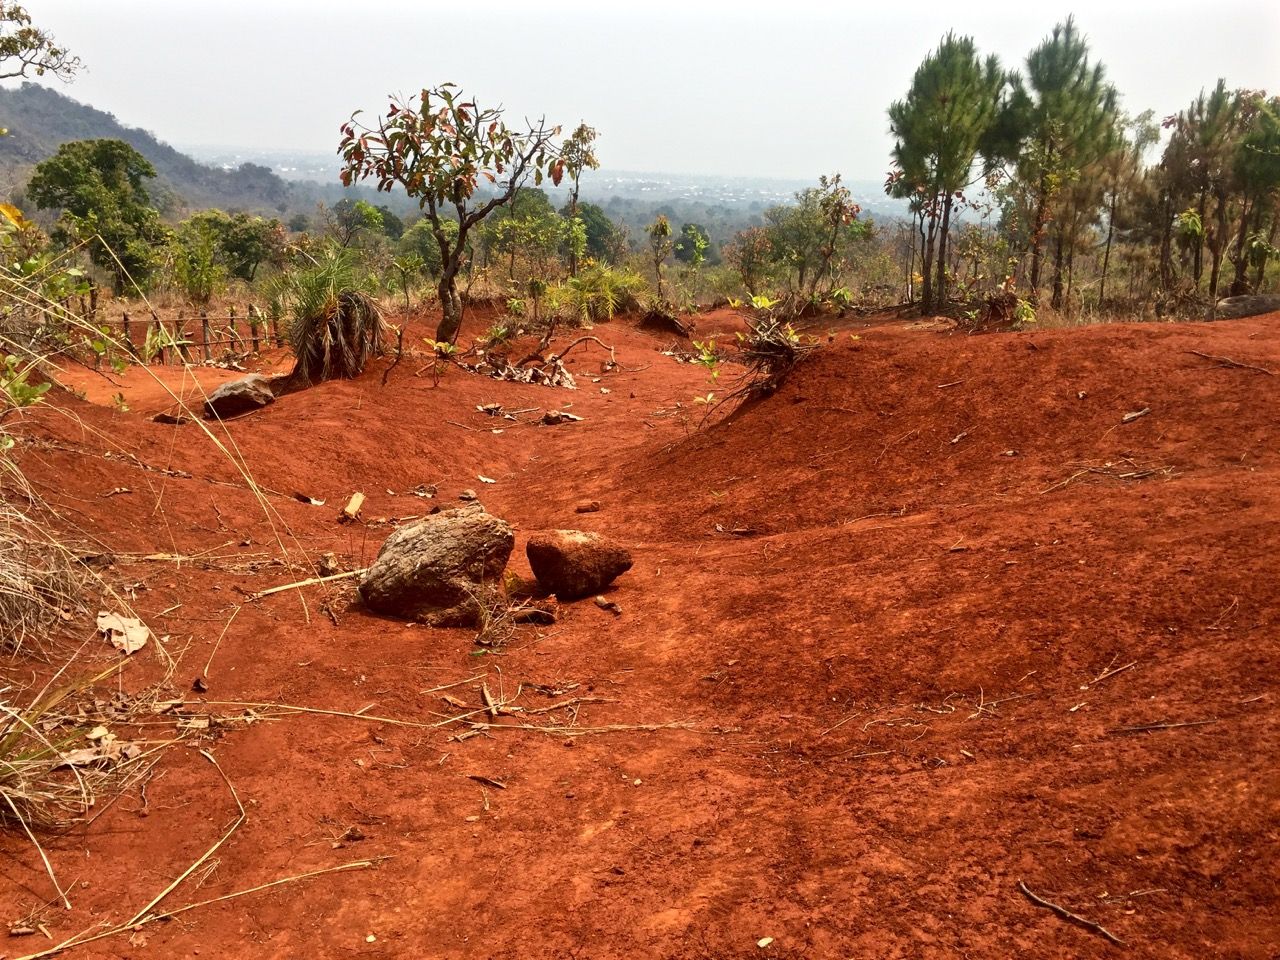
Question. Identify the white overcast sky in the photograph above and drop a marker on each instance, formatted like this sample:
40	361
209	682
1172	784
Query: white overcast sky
787	89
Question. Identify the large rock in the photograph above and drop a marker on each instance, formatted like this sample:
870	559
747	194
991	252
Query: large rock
573	564
239	396
1247	306
441	570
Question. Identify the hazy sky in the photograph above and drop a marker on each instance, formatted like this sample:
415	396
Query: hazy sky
788	89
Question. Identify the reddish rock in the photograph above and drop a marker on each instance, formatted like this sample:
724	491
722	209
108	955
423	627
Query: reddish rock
573	564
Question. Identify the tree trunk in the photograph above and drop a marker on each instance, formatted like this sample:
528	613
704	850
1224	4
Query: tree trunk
911	264
1056	300
1240	282
1037	235
926	298
1261	267
450	306
573	215
1197	269
1106	256
1217	247
1166	249
940	291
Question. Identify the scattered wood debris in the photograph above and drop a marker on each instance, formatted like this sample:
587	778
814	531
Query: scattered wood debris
351	512
1070	917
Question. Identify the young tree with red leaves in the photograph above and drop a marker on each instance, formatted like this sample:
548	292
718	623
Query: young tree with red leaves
438	150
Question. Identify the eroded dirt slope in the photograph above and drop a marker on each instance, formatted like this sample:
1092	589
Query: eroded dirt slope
876	605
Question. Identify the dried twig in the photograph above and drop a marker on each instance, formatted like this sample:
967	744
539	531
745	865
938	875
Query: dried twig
309	582
1148	727
1070	917
208	853
1228	362
79	939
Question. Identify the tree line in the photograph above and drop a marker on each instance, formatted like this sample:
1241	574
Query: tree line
1058	175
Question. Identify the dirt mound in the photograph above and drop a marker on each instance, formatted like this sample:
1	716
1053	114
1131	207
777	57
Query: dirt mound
869	671
892	422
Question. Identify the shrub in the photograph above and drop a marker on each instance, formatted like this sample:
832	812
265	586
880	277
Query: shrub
335	327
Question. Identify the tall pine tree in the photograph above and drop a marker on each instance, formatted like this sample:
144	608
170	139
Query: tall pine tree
952	115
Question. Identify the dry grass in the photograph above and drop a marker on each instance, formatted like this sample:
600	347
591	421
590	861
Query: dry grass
41	583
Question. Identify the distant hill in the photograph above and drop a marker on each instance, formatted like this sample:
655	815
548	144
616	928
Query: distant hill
40	120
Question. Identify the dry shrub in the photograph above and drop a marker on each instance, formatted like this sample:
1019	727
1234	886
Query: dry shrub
41	583
770	352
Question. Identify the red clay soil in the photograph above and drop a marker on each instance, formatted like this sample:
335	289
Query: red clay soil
932	620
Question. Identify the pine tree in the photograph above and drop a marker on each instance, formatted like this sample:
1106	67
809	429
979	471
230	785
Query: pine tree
953	114
1068	116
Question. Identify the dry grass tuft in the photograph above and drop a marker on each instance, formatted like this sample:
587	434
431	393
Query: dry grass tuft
41	583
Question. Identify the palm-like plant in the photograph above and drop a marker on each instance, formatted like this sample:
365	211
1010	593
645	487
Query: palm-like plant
335	326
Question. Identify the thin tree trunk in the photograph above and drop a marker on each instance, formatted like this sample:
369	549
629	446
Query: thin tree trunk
1240	282
1106	256
1197	268
926	300
1037	232
573	215
1261	266
940	292
1056	300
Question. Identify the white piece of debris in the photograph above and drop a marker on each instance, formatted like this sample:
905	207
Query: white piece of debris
1130	417
484	479
764	942
127	634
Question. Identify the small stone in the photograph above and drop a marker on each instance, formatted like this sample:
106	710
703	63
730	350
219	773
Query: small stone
587	506
468	495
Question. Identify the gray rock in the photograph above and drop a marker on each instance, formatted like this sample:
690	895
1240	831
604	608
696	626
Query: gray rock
239	396
573	564
1247	306
441	570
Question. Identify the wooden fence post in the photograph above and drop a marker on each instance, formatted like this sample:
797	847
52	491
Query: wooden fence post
254	320
159	339
204	331
128	340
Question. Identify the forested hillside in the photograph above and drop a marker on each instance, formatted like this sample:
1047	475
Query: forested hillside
40	119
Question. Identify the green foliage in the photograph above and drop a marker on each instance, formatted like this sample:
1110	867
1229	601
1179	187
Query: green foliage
334	325
598	292
196	265
604	240
409	266
809	242
691	247
660	247
17	390
352	219
99	186
420	240
242	242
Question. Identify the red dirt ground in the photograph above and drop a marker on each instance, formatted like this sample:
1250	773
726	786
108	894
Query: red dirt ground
877	603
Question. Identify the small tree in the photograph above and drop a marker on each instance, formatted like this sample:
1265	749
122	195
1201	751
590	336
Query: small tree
692	246
438	151
578	154
99	186
660	248
26	49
